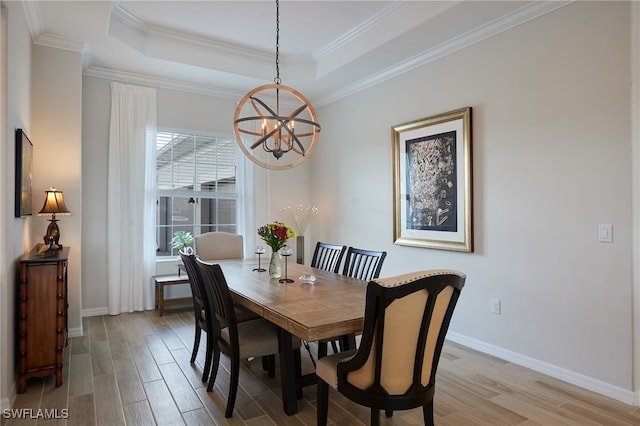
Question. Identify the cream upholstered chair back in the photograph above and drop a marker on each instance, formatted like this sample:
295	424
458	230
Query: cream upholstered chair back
405	322
218	246
404	351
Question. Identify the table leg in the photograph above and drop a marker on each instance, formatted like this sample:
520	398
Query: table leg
287	372
347	342
298	366
160	299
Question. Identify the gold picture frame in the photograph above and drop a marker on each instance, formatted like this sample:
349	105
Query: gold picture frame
432	182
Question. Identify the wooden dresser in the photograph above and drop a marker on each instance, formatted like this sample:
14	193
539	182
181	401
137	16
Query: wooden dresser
42	315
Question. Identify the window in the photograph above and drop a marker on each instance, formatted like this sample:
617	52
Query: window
196	186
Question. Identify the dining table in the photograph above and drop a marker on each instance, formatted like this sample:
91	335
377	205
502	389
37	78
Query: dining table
329	307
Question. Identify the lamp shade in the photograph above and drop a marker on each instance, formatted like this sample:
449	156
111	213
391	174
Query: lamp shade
54	204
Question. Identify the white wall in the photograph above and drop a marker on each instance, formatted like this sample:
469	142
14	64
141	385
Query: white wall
635	114
551	159
15	236
56	107
3	211
42	96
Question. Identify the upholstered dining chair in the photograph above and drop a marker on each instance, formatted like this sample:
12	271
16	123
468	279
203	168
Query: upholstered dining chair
362	264
328	257
218	246
255	338
405	323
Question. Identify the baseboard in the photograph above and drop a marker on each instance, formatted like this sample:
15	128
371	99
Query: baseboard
5	404
94	312
7	401
76	332
586	382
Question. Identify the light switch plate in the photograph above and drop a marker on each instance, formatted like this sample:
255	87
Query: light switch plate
605	233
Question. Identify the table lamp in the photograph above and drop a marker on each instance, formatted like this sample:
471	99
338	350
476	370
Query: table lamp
53	205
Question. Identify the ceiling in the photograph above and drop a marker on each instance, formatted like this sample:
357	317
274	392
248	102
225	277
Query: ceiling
328	49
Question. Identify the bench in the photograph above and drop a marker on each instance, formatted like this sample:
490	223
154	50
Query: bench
165	280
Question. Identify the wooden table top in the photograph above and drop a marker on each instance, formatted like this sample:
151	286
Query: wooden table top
331	307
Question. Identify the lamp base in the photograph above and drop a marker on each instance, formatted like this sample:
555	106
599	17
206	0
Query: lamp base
53	233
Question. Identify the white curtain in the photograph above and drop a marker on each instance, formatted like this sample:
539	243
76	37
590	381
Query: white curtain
131	246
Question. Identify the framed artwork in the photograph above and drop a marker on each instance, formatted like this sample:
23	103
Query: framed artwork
432	182
24	174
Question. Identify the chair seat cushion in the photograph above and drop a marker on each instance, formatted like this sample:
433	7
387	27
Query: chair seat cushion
326	367
257	338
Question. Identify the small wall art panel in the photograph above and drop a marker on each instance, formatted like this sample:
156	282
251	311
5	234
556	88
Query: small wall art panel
24	174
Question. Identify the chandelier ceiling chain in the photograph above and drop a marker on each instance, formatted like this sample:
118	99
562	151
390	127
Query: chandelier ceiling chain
277	80
294	133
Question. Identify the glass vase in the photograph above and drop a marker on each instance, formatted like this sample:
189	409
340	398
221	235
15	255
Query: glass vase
275	265
300	249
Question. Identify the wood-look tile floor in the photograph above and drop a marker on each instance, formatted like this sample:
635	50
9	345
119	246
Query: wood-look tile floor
133	369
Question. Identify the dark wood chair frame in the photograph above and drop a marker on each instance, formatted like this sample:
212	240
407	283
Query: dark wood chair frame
200	306
362	264
377	300
224	312
328	257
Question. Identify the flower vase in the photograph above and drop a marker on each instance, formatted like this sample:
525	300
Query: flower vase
275	265
300	249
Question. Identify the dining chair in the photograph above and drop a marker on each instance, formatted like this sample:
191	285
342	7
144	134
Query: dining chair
200	309
362	264
255	338
218	246
405	323
328	256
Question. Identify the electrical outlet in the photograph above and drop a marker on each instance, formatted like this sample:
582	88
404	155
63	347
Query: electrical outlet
495	306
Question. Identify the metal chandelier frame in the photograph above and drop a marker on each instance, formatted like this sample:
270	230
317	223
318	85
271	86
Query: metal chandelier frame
279	132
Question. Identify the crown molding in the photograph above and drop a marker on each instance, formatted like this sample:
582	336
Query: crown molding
497	26
34	19
164	83
54	40
361	29
158	34
42	38
155	35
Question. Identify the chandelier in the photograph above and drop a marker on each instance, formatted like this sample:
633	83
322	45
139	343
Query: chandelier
275	125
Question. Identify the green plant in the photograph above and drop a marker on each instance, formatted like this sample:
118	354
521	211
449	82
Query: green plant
181	239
